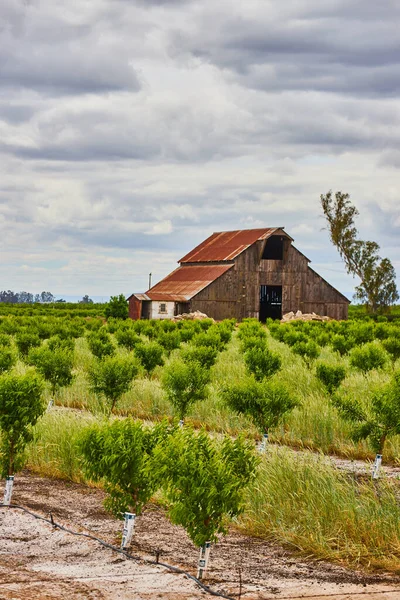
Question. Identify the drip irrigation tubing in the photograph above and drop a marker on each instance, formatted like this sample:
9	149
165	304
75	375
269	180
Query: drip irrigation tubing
128	555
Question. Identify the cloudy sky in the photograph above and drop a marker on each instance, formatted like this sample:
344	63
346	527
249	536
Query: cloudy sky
132	129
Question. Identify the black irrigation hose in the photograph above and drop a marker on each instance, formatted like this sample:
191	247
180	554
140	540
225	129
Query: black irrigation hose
119	550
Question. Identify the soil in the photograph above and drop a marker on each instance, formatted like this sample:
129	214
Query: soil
38	561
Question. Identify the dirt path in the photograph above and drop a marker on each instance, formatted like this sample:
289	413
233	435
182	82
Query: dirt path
37	561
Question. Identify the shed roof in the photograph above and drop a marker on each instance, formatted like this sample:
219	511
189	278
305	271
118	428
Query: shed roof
185	282
227	245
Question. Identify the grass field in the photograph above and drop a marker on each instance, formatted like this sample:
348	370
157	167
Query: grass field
300	500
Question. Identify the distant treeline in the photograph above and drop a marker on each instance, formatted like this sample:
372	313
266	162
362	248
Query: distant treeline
26	297
64	309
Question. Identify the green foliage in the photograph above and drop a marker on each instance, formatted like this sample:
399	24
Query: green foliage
119	454
117	308
21	405
250	342
204	481
392	347
206	356
251	328
368	357
111	378
341	344
330	376
150	356
127	338
293	337
308	351
58	343
169	340
377	420
378	278
362	333
211	339
5	340
25	341
262	363
100	343
185	384
7	359
54	365
265	402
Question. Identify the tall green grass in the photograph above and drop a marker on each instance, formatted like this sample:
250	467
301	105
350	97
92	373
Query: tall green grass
315	425
304	502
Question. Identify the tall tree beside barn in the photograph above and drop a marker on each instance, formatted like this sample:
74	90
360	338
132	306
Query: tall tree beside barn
377	289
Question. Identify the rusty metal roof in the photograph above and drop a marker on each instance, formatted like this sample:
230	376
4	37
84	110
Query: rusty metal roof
227	245
185	282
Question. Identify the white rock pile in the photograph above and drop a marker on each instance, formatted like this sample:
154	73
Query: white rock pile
299	316
193	316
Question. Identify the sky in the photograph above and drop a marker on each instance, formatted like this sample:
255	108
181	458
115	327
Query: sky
130	130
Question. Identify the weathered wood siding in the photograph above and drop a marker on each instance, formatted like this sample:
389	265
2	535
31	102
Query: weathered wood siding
237	292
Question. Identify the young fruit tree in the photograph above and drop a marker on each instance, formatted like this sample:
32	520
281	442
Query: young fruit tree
185	384
368	357
111	377
262	363
266	402
375	420
7	359
204	481
309	351
377	288
55	366
21	405
119	453
330	376
392	347
100	343
150	356
205	356
25	341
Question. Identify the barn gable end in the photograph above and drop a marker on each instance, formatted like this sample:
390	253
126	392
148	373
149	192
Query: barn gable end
248	273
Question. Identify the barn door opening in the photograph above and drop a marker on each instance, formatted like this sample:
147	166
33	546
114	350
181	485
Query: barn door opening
270	302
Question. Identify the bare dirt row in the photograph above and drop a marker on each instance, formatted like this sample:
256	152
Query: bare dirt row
38	561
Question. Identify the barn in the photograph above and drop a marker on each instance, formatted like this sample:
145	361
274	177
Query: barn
237	274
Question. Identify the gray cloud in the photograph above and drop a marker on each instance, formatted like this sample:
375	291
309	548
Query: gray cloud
129	131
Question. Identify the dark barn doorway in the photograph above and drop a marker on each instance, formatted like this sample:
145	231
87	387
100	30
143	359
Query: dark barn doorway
270	302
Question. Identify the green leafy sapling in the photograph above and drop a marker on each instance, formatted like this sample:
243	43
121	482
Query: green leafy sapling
206	356
342	344
185	384
392	347
100	343
331	376
309	351
250	342
119	453
7	359
262	363
150	356
266	402
55	366
127	338
21	405
25	341
204	481
57	342
169	340
368	357
111	377
375	420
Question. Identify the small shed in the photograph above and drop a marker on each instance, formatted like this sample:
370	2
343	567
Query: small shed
237	274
